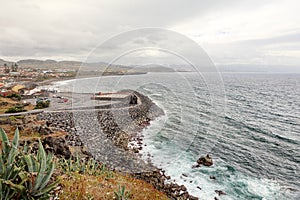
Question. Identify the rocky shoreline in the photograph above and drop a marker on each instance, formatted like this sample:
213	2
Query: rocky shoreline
105	134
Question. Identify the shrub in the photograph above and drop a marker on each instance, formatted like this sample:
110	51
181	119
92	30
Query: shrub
42	104
121	194
14	96
24	175
16	109
90	166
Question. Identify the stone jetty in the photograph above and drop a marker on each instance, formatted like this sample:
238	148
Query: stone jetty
106	133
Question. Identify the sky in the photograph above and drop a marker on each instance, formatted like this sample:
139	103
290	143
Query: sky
251	32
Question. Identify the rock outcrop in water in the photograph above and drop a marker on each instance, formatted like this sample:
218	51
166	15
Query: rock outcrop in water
204	160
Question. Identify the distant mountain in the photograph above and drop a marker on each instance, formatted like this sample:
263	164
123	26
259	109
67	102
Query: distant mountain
152	68
2	62
101	66
48	64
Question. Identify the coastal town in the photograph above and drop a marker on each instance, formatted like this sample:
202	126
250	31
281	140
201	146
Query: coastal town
22	88
27	79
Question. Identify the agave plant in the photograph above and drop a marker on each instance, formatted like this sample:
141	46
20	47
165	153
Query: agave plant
9	169
39	170
90	166
121	194
24	175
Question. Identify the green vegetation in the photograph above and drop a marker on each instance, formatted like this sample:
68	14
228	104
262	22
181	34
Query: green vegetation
42	78
89	167
42	104
14	118
14	96
24	175
78	186
15	109
121	194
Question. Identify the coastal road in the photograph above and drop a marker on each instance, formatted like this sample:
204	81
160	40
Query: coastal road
22	113
75	101
68	101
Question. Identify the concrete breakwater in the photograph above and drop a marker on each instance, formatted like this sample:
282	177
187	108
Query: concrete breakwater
106	134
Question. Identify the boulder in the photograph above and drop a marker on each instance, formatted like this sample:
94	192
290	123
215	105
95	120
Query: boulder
206	161
58	146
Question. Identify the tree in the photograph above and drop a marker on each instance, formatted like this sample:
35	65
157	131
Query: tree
14	67
6	68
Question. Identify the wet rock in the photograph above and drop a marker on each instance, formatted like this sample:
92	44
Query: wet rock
192	197
195	166
220	192
206	161
183	188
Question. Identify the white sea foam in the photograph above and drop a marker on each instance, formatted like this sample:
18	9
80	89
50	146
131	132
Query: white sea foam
235	184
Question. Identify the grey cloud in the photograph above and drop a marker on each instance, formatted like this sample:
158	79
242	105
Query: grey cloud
284	38
71	29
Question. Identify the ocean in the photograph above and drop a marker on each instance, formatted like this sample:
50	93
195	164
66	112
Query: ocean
249	123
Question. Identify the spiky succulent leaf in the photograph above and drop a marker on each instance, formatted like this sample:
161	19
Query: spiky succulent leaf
41	173
24	175
5	142
47	176
15	142
25	148
46	189
2	167
18	187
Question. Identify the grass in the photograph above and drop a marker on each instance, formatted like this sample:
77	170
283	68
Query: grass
81	179
122	194
78	186
9	102
12	103
26	134
29	107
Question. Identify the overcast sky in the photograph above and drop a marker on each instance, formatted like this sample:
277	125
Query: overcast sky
230	31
